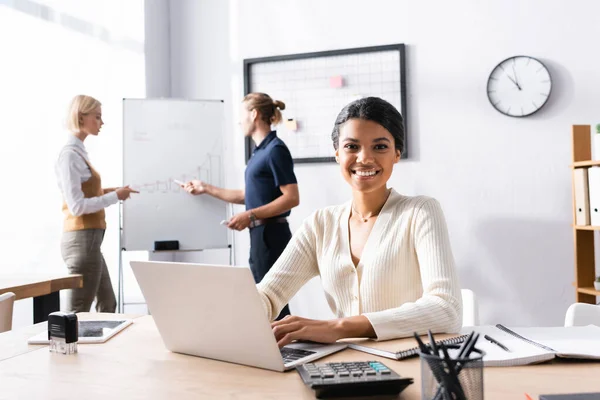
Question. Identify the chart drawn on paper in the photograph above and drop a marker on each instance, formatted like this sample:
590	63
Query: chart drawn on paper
209	172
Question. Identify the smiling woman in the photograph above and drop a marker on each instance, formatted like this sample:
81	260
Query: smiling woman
384	259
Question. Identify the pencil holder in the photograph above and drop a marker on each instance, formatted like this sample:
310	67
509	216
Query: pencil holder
454	378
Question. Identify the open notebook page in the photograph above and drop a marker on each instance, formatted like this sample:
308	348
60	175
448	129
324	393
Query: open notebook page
521	353
569	342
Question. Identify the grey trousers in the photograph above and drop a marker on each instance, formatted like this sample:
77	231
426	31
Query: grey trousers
81	252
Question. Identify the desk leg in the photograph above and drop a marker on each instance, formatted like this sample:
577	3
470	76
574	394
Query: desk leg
44	305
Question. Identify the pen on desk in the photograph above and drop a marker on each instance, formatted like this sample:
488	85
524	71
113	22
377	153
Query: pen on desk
528	397
497	343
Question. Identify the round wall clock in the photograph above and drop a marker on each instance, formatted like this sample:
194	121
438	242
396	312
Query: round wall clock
519	86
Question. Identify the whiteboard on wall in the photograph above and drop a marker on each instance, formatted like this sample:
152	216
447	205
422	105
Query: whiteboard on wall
163	140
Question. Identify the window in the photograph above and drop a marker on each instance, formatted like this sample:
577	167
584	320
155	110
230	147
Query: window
50	51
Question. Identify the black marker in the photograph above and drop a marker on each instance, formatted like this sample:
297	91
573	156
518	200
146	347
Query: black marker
497	343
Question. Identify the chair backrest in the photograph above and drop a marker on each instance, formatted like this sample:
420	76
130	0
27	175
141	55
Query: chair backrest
6	311
581	314
470	308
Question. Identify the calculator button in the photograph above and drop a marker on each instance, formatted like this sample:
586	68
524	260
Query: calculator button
344	374
385	372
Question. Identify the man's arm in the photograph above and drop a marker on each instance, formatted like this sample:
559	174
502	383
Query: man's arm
235	196
196	187
289	199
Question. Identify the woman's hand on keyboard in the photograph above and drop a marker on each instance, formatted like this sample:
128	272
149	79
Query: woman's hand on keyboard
293	328
329	331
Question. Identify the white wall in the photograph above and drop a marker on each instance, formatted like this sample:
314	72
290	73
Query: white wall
504	183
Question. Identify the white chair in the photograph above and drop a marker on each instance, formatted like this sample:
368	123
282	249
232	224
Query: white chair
6	311
470	308
581	314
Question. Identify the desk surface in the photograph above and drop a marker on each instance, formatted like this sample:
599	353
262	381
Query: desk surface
34	285
135	364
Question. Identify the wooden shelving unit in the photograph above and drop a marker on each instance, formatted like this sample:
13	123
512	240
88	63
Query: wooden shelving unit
583	236
588	290
582	164
587	228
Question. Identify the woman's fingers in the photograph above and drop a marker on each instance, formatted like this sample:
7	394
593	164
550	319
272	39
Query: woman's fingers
284	320
288	338
282	330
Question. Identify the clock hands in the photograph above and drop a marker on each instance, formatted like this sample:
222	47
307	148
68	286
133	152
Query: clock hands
509	77
516	81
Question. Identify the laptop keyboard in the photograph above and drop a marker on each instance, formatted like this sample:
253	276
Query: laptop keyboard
290	355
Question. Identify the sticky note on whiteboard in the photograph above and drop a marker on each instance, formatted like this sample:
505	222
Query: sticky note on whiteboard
336	81
291	124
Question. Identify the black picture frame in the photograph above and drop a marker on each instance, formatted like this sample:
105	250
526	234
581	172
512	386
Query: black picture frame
248	63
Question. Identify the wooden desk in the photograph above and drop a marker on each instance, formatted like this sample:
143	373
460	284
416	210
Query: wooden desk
44	289
135	365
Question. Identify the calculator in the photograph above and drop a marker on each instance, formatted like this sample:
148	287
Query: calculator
345	379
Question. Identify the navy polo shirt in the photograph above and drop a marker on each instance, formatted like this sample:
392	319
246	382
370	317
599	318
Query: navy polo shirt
269	167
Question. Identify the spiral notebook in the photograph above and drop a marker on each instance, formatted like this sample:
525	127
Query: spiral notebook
391	350
536	345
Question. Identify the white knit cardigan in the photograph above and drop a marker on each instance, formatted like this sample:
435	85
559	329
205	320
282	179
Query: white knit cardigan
406	280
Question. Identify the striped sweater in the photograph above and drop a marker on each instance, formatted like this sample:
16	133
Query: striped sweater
406	279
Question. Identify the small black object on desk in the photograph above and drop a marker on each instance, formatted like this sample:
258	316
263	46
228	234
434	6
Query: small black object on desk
162	245
63	332
352	379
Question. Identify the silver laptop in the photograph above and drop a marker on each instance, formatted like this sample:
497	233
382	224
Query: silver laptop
215	311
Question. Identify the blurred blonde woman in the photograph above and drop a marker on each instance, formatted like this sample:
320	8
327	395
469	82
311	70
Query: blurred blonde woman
84	201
